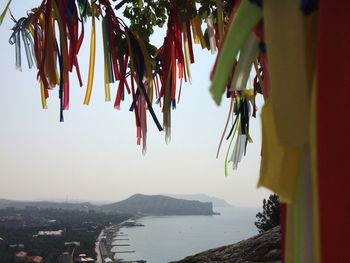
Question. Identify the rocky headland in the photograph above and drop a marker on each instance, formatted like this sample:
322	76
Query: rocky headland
262	248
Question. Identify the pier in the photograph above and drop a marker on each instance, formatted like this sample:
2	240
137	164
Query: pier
110	238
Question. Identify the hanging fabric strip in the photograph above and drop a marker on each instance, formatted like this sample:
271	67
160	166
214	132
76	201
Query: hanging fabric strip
140	85
27	46
135	105
122	82
2	16
283	229
61	91
297	227
187	56
289	256
291	57
147	62
18	50
166	109
266	78
247	16
238	150
211	34
143	106
106	61
31	44
64	74
314	174
43	96
235	128
333	144
307	216
189	39
173	74
258	74
112	26
220	16
91	63
40	47
50	47
280	166
247	55
226	125
195	33
196	27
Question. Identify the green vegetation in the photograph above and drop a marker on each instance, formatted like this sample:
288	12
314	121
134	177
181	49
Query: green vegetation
140	204
21	226
144	15
270	217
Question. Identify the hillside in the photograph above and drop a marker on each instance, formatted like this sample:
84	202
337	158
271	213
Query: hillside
217	202
158	205
4	203
261	248
136	204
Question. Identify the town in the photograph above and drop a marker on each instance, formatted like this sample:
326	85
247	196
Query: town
35	235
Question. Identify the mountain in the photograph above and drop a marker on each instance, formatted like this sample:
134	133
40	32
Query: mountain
159	205
136	204
4	203
217	202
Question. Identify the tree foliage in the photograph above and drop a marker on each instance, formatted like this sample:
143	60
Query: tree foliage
270	217
144	15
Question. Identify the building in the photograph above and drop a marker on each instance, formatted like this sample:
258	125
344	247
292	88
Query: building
20	246
22	257
72	243
34	259
56	233
83	258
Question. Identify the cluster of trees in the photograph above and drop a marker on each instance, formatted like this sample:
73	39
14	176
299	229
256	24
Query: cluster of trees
79	226
270	216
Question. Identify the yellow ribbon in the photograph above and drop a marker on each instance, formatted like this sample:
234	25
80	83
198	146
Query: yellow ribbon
91	63
42	93
197	32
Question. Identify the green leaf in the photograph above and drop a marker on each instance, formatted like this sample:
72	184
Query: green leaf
2	16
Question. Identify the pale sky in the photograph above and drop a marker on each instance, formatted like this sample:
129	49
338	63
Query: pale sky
93	155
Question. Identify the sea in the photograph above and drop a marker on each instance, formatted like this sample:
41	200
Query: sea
169	238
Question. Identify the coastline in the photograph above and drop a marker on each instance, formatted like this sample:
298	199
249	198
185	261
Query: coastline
181	236
103	245
97	248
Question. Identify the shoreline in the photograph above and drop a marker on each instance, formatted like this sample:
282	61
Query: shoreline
103	244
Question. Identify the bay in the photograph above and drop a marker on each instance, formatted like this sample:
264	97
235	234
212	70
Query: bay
168	238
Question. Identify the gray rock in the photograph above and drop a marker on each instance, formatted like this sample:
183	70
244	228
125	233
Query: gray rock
262	248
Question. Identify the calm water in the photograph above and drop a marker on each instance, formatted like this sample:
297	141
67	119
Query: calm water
167	238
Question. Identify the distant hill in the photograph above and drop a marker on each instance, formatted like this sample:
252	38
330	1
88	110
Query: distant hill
217	202
136	204
159	205
4	203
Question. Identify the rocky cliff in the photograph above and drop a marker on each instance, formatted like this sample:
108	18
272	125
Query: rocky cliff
261	248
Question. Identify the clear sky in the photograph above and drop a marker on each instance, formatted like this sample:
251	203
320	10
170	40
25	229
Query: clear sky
93	155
